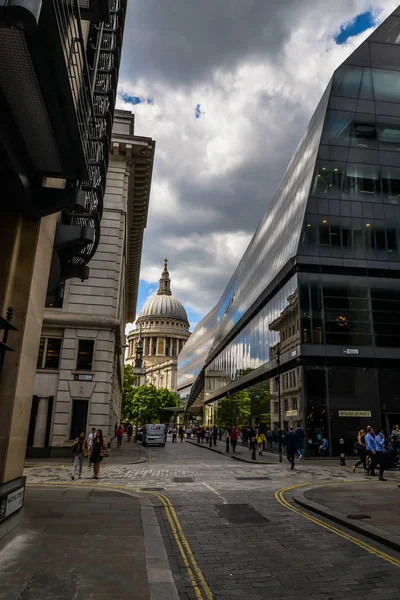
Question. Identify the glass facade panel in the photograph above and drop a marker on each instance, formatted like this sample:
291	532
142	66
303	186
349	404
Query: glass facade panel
386	85
347	81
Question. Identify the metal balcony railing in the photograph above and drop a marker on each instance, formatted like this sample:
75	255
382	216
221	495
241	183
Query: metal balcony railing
68	17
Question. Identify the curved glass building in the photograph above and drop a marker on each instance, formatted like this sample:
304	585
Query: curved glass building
312	313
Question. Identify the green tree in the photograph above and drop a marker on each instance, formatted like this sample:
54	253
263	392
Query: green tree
128	390
147	404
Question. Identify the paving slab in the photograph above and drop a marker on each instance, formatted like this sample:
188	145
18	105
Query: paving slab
368	506
73	545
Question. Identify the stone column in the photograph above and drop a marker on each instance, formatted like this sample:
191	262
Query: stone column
41	423
27	248
177	346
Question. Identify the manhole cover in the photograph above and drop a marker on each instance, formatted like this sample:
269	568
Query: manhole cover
160	489
239	513
359	517
183	480
251	478
107	494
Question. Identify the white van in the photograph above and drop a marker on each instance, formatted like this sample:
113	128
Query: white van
154	435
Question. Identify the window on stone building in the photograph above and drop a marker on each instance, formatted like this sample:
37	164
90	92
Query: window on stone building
56	298
294	404
276	407
286	404
49	353
85	355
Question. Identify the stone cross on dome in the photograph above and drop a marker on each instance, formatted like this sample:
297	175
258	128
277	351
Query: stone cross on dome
165	282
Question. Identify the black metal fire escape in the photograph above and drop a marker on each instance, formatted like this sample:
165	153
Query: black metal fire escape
78	233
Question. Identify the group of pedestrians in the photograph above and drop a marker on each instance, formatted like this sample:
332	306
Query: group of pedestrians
373	450
94	447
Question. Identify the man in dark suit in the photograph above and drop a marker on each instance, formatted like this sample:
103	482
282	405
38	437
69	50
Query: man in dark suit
291	446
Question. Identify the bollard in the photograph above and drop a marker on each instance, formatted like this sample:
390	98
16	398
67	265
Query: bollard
342	453
210	441
227	444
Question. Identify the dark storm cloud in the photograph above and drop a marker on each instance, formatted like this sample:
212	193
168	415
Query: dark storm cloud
181	41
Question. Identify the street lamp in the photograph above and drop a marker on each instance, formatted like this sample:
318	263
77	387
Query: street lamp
278	381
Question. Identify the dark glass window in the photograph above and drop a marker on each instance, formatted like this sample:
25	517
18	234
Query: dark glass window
324	239
346	81
391	184
391	240
388	133
386	85
335	235
56	298
337	128
53	350
49	353
363	133
85	355
41	353
366	90
328	179
380	239
360	180
347	238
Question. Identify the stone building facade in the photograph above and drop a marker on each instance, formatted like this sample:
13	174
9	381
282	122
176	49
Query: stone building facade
80	364
163	328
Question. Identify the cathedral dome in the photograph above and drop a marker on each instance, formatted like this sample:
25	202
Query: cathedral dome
163	304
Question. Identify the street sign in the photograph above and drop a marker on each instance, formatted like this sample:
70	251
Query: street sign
350	351
354	413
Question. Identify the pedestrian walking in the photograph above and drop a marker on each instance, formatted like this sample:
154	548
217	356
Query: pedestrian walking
129	431
79	450
323	448
202	434
120	434
291	446
245	436
381	453
89	441
174	432
396	432
214	434
181	433
300	437
207	435
234	438
260	439
269	438
98	451
370	445
361	451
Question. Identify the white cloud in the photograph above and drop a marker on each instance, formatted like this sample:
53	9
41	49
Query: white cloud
258	70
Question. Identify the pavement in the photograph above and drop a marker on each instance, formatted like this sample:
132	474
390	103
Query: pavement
368	507
242	453
195	524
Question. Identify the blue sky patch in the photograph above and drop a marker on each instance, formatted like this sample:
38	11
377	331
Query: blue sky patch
197	111
131	99
146	290
360	23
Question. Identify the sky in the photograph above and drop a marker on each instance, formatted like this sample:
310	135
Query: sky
226	88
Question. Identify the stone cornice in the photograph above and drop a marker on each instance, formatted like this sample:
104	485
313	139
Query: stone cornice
65	319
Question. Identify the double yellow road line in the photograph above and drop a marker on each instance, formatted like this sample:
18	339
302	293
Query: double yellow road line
200	587
279	496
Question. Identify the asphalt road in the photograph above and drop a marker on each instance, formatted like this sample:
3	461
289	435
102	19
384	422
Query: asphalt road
228	533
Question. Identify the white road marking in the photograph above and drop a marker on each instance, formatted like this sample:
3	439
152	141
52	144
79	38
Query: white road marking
215	492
